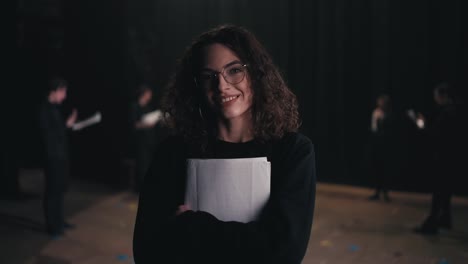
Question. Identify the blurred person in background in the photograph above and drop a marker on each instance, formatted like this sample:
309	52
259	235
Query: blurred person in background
56	155
382	146
446	134
143	133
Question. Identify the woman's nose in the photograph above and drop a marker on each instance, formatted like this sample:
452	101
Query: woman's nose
222	83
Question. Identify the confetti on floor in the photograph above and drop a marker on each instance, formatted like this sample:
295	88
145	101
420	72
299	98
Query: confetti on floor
122	257
443	261
326	243
353	248
133	207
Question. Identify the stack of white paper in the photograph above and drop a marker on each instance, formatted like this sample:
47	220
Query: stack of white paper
152	118
230	189
416	119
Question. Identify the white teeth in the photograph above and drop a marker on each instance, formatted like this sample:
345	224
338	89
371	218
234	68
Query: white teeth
227	99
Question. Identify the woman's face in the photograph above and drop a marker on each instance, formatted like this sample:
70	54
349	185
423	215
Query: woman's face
440	99
381	102
231	99
146	97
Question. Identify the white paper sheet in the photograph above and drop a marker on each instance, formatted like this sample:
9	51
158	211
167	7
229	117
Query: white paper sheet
416	119
152	118
230	189
94	119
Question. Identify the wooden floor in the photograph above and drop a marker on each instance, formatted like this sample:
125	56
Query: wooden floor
347	228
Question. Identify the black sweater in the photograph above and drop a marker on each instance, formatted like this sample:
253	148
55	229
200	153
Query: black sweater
280	235
53	132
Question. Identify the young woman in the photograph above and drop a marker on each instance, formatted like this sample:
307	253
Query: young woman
228	100
382	146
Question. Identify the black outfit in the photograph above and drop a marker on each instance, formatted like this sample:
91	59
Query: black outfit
445	139
382	153
9	187
56	165
143	141
280	235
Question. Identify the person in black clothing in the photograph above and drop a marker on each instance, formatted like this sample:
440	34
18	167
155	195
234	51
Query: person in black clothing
53	131
445	134
143	133
382	144
228	100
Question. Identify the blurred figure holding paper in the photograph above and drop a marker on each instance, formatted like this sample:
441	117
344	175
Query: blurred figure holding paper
53	131
446	132
143	119
382	146
236	182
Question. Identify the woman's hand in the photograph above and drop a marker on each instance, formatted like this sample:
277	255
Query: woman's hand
72	118
182	209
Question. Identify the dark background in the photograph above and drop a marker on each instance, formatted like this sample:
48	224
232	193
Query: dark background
336	55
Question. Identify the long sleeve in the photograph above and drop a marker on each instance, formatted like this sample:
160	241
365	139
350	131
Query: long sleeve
154	237
280	235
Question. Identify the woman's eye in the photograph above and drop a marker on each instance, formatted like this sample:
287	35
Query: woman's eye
235	70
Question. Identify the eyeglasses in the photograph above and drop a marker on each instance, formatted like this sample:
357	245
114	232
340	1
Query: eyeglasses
233	74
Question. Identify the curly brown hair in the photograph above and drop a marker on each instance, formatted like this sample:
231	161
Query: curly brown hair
274	106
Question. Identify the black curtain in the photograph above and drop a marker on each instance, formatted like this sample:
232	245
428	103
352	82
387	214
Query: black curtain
336	55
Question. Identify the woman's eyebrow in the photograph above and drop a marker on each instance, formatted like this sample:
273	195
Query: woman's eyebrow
227	65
